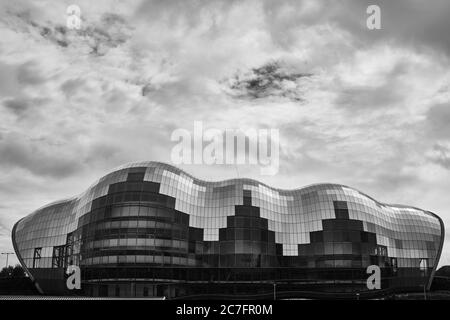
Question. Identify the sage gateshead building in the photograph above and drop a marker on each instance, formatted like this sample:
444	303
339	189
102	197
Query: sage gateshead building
151	230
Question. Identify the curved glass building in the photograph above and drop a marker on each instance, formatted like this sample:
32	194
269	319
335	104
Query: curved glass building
150	229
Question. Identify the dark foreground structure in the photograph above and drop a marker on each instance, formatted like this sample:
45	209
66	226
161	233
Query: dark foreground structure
150	229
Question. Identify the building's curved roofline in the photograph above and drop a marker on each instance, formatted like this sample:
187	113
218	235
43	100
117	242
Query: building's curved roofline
147	163
59	202
230	181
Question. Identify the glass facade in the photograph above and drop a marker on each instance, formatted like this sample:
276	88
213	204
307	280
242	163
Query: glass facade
150	229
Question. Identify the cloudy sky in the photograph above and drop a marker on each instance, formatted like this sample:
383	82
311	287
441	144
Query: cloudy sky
365	108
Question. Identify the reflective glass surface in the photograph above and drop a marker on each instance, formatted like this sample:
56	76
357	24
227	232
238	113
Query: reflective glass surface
149	223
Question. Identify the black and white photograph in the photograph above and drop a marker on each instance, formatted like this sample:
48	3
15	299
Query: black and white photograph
231	152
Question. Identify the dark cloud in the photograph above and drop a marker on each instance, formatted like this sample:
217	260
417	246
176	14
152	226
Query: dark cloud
29	74
417	24
71	86
189	13
269	80
394	180
24	107
146	89
438	121
8	84
386	94
18	106
20	76
101	152
364	98
441	155
437	131
40	157
109	32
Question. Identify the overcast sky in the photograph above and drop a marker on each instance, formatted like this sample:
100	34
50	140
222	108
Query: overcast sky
365	108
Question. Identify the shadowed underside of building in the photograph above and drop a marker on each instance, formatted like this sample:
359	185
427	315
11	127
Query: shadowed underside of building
150	229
